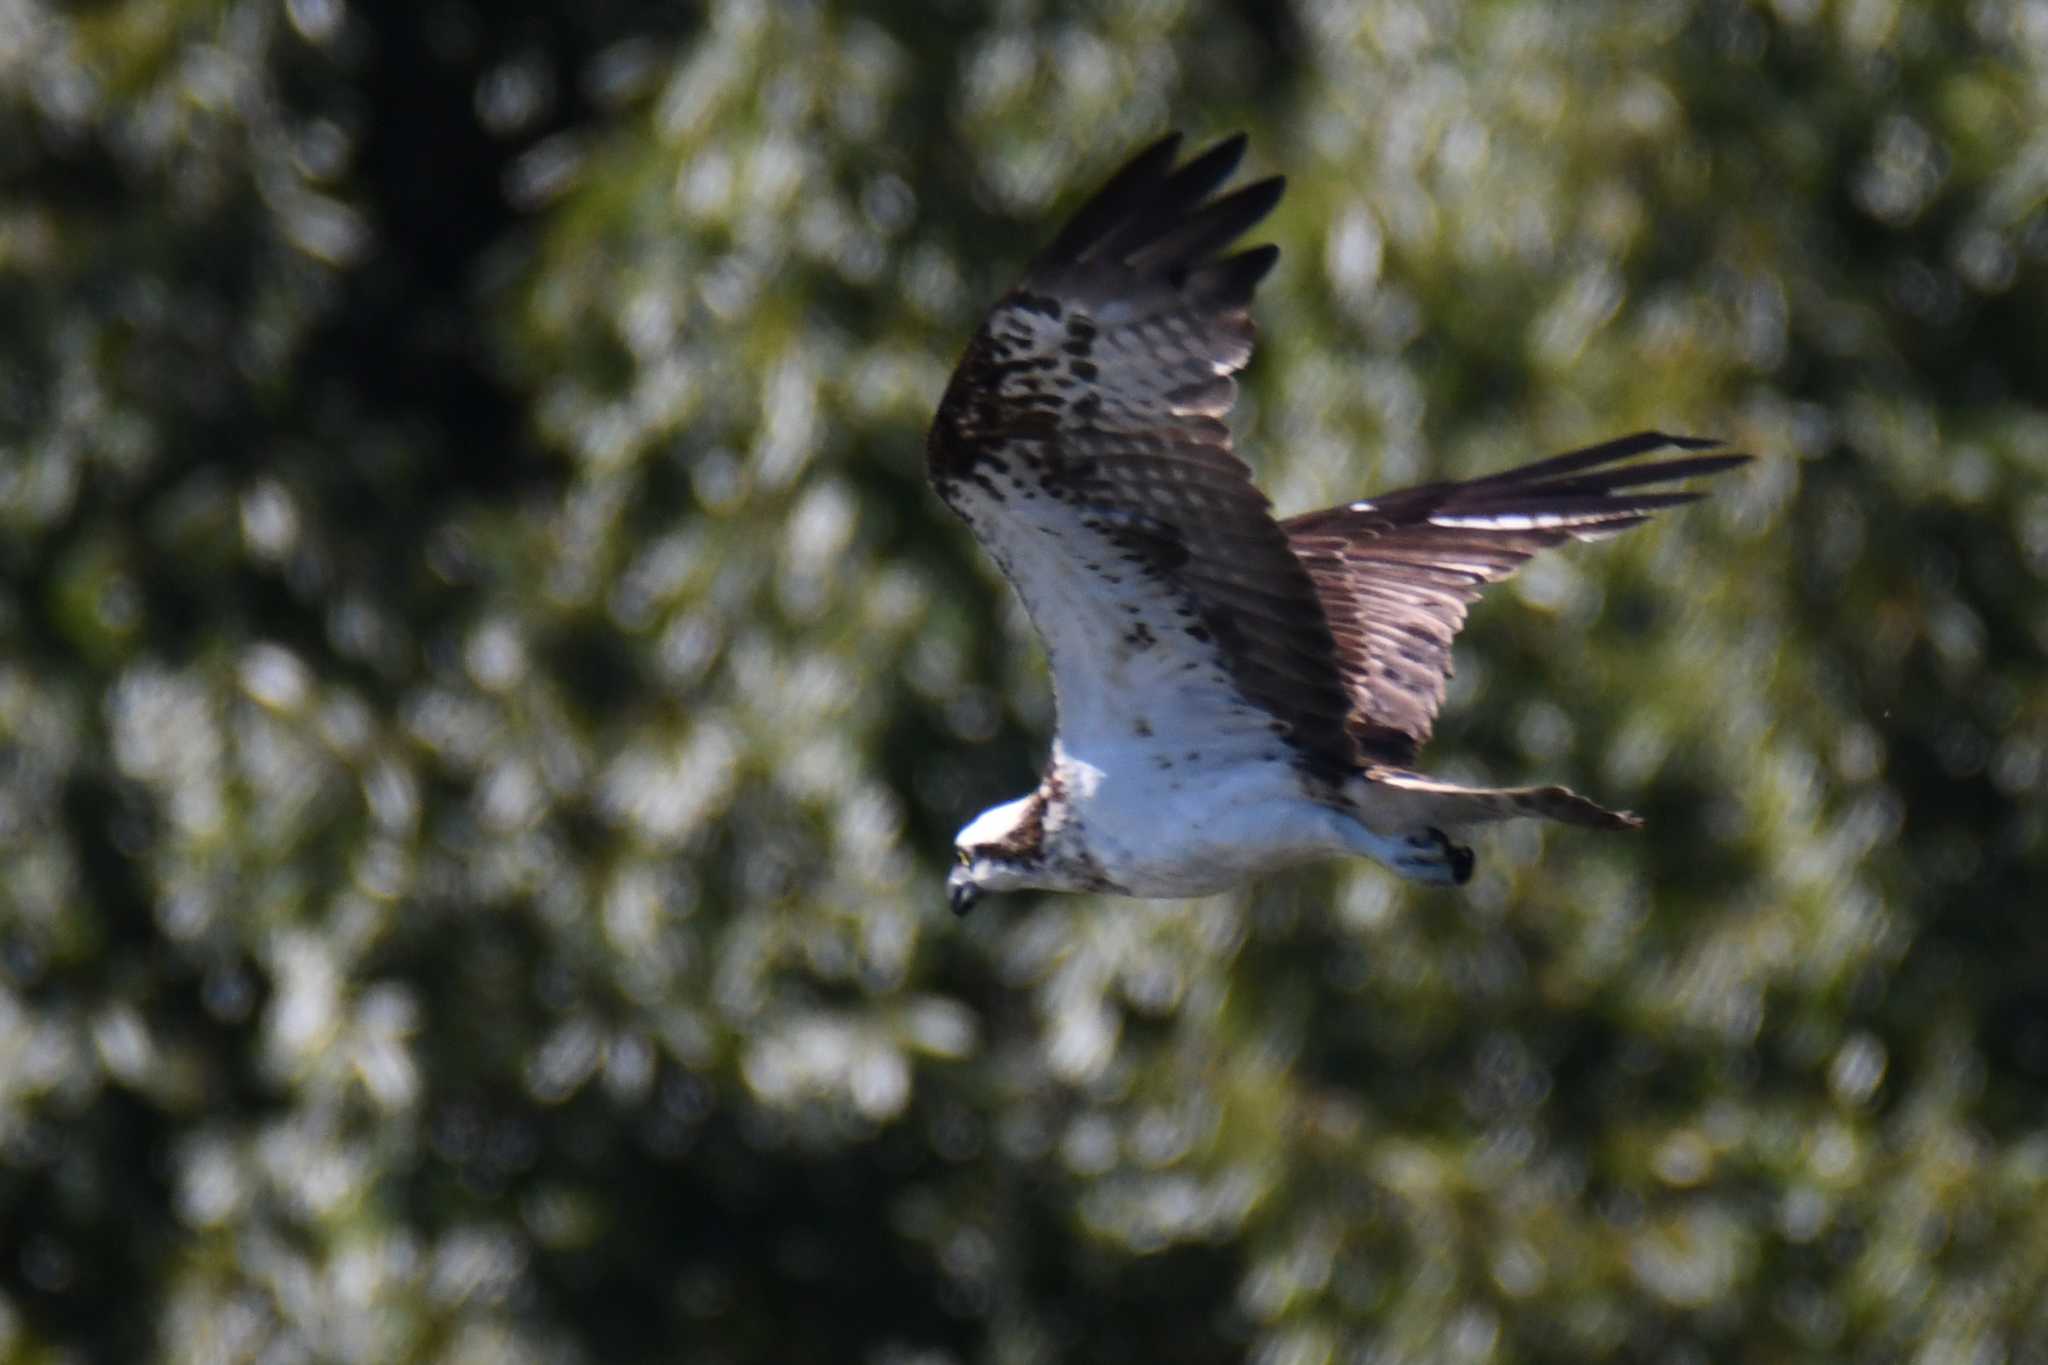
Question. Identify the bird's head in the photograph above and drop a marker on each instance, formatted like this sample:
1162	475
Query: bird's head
1002	849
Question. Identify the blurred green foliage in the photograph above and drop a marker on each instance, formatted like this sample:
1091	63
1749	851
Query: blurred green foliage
485	695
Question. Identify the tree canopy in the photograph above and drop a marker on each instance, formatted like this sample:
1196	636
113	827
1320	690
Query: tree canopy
485	695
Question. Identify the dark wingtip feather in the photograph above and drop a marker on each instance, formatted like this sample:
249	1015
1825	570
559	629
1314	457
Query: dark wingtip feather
1231	280
1605	453
1165	211
1123	194
1153	214
1636	476
1694	466
1207	169
1213	165
1209	228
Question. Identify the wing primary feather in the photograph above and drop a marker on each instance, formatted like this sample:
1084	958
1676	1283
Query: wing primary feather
1213	228
1557	509
1635	476
1606	452
1127	190
1166	207
1231	280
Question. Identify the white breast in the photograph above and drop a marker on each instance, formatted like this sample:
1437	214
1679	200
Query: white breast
1188	822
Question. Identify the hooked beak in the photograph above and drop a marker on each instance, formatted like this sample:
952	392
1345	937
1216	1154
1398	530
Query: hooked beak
961	891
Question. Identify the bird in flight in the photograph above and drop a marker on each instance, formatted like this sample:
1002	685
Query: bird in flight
1235	693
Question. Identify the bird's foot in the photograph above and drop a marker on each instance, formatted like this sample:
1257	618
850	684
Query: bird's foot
1430	856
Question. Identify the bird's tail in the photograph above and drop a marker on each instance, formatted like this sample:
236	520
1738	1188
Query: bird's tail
1412	799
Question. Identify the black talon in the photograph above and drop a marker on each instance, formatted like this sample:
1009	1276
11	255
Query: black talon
1460	856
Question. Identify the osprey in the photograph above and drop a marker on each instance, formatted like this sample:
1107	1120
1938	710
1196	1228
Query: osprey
1235	693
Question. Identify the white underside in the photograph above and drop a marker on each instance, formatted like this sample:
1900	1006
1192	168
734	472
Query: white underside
1198	829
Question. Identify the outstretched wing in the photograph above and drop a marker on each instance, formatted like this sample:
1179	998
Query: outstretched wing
1396	572
1084	438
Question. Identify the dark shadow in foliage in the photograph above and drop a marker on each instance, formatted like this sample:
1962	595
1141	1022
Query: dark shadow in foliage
731	1228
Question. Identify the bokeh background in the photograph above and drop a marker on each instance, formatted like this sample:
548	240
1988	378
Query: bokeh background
485	695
